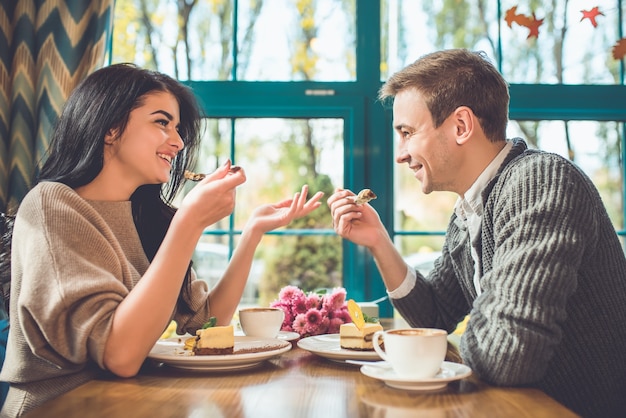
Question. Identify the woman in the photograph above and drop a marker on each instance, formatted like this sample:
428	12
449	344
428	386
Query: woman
100	258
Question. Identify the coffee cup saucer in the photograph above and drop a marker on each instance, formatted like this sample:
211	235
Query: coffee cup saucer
287	335
449	372
282	335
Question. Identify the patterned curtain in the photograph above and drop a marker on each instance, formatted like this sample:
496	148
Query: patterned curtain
46	48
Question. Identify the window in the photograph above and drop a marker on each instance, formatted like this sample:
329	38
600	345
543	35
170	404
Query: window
279	155
296	78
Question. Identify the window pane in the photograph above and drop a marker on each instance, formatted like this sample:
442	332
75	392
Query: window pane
594	146
278	156
414	28
152	34
210	46
420	251
416	211
566	50
586	50
307	261
297	41
278	40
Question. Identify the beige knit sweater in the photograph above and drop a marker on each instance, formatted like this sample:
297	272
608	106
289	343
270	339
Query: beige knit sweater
73	262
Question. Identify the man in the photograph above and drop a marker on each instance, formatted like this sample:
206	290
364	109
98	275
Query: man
530	253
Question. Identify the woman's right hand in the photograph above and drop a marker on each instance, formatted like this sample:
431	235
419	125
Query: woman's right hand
213	198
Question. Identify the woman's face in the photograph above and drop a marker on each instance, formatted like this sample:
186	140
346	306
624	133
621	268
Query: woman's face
143	153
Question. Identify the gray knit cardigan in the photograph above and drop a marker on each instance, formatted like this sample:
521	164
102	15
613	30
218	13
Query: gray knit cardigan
552	313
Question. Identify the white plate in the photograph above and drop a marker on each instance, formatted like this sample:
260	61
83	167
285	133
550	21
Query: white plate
327	345
170	351
449	372
287	335
282	335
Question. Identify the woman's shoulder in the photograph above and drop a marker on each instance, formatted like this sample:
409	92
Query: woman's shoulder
48	192
49	198
51	187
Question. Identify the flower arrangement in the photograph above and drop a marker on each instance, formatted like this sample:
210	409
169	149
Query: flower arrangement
314	313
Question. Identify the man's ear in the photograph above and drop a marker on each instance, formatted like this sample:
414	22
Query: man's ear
464	120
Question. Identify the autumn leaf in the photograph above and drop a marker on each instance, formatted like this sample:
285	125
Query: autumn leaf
619	49
530	22
510	16
533	26
591	15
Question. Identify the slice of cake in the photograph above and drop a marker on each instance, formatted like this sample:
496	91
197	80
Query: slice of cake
353	338
214	340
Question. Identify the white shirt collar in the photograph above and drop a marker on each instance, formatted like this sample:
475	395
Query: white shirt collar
470	209
472	203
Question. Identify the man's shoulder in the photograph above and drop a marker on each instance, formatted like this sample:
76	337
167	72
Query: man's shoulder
536	172
541	161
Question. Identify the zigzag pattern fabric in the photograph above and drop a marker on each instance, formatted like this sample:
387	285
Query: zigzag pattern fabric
46	48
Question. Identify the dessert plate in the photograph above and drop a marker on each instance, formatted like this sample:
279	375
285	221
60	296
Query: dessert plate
327	345
249	352
449	372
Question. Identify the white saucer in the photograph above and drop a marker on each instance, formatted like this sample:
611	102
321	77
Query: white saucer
449	372
287	335
282	335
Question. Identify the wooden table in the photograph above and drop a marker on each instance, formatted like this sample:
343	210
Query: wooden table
296	384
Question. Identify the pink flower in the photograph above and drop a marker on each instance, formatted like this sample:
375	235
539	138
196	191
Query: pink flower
289	292
323	328
299	304
300	324
343	314
312	313
334	325
312	301
313	319
336	299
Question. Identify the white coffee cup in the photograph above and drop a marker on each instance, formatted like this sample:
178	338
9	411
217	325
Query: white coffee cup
261	322
414	353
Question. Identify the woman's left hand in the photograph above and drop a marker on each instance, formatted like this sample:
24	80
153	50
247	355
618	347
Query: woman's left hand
269	217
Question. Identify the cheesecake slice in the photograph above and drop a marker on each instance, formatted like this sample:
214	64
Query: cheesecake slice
353	338
215	340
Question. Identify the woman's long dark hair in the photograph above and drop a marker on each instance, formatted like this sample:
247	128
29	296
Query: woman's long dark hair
102	102
6	233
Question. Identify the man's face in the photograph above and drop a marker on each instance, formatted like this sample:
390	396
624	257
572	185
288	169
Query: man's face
431	153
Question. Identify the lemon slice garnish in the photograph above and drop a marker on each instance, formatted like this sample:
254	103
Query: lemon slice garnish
170	331
190	343
356	314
